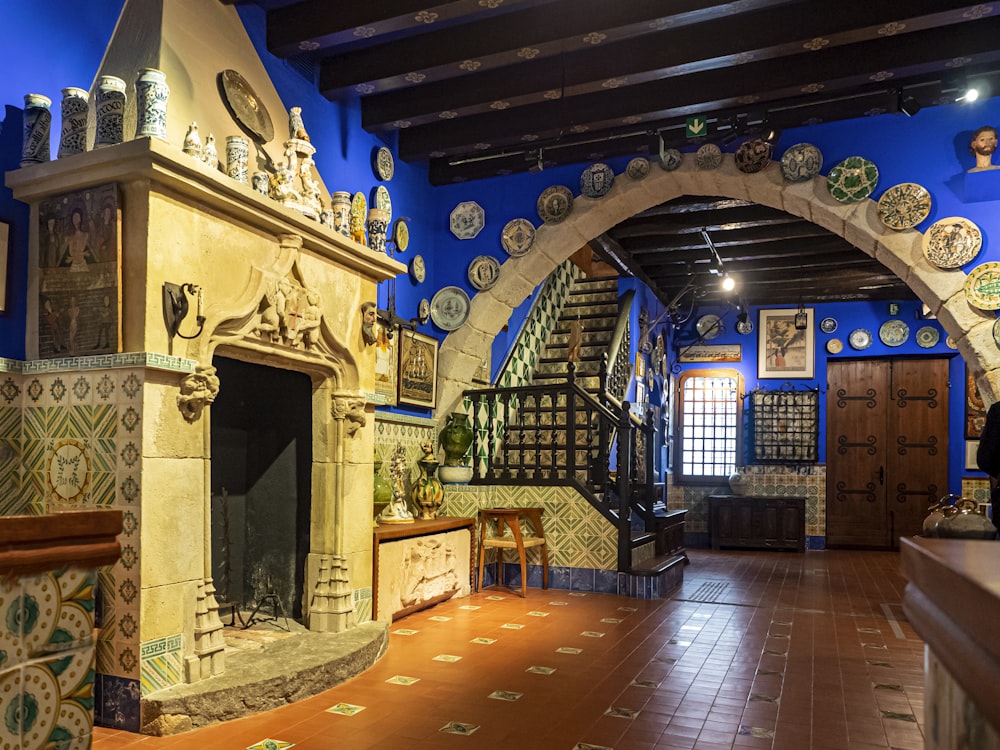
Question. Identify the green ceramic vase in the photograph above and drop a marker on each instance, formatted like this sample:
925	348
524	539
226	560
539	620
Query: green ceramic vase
455	438
427	492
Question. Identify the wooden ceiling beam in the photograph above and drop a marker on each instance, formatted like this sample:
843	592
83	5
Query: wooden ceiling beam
790	235
695	92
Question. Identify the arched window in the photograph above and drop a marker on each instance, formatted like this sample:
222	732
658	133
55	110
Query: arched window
709	424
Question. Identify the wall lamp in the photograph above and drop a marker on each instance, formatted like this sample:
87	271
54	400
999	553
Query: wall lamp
801	318
175	308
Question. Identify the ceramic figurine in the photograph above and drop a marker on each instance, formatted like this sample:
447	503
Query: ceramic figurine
261	182
192	142
295	127
73	136
209	154
396	511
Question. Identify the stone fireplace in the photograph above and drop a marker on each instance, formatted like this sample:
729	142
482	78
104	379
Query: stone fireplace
135	426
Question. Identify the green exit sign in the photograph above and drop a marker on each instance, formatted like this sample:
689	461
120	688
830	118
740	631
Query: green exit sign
696	127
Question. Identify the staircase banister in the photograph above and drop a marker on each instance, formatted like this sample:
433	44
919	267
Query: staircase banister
621	325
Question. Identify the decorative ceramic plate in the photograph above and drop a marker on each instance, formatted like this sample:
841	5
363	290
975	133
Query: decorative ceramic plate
555	204
382	164
709	156
996	332
835	346
596	180
245	106
905	205
744	326
424	311
709	326
401	235
359	210
753	155
450	308
860	339
853	179
801	162
828	325
951	343
982	287
952	242
380	199
928	336
418	269
893	332
484	271
517	236
671	159
637	168
467	220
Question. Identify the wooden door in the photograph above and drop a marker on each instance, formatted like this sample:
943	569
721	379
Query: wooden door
887	427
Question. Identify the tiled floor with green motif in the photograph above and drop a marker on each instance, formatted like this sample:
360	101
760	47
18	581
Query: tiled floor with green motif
756	650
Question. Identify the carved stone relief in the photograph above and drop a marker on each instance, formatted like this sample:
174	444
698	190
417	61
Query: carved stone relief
198	390
289	314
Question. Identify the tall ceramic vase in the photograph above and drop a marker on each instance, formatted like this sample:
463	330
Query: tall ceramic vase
37	123
151	92
73	135
427	493
378	225
109	105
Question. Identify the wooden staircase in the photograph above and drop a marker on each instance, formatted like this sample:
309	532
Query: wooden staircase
570	426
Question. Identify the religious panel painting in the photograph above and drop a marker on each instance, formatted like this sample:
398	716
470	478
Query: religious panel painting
79	273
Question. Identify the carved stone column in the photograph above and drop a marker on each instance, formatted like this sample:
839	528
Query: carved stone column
331	603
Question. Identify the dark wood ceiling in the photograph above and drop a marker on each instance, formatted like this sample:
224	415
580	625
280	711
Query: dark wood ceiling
479	88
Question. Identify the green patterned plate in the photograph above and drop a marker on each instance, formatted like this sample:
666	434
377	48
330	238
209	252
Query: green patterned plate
982	287
853	179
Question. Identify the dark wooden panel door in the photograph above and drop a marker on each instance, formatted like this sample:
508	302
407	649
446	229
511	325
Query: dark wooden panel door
856	407
887	457
918	459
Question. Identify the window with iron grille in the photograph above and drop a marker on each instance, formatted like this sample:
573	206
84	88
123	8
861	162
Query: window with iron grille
710	419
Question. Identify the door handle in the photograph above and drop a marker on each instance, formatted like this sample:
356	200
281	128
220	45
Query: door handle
881	475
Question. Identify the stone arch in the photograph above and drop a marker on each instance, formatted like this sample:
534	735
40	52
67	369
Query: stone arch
858	223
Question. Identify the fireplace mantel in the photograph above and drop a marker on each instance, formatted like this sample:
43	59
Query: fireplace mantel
149	159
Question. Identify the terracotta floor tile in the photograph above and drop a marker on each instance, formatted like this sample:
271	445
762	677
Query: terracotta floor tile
797	628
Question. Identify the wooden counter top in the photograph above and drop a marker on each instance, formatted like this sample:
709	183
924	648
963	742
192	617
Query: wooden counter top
953	602
388	531
85	539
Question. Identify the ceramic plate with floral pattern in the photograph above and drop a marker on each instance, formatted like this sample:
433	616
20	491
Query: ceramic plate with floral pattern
982	287
801	162
893	333
517	237
637	168
753	155
467	220
484	271
952	242
853	179
860	338
903	206
709	156
671	159
927	337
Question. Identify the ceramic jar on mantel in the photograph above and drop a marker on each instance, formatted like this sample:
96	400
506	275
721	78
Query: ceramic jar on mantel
378	225
109	105
340	207
455	439
73	135
37	123
151	92
739	482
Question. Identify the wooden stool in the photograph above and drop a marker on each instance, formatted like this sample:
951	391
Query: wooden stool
509	518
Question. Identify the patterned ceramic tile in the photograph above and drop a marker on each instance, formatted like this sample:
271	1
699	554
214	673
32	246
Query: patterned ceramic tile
450	658
483	641
402	680
457	727
405	631
345	709
161	663
534	669
569	650
269	744
505	695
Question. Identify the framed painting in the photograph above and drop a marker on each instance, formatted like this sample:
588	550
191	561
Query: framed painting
386	362
784	351
975	409
79	273
417	369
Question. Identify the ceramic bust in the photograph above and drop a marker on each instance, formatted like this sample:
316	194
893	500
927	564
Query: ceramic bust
982	146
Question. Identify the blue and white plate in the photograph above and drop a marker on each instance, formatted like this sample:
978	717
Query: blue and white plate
596	180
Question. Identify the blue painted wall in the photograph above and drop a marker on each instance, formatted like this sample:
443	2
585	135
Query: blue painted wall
67	40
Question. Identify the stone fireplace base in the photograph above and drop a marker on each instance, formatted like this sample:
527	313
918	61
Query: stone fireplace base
283	671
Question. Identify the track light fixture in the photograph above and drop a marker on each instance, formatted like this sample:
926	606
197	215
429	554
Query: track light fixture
906	104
